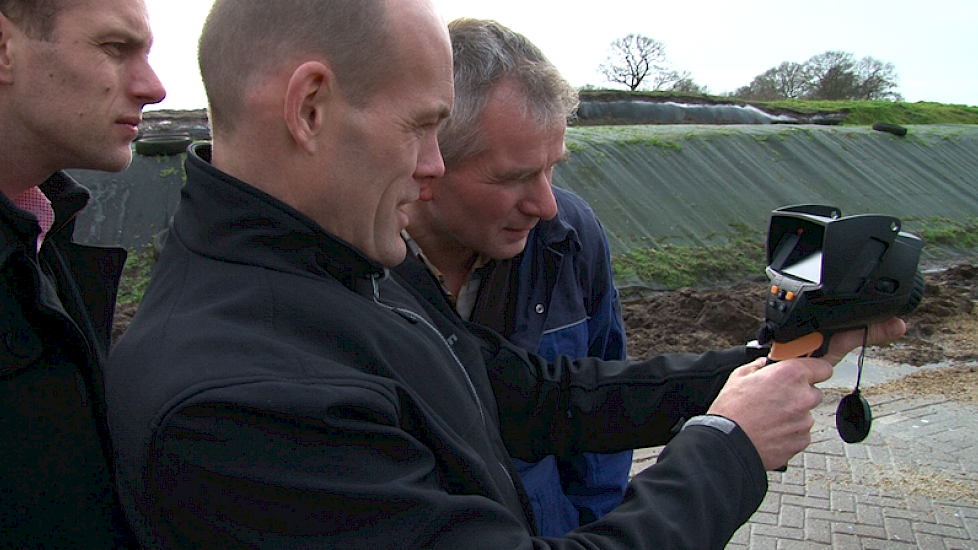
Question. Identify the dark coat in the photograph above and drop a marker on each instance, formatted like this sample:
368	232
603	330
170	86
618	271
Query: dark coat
278	389
56	490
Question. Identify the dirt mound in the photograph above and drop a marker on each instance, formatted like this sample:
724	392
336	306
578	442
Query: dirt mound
694	320
943	327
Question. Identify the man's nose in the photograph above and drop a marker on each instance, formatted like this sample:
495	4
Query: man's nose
146	85
539	201
430	162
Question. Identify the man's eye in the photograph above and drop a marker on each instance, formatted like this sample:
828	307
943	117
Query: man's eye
113	48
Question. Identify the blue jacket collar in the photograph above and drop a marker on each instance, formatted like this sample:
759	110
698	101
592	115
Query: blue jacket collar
556	233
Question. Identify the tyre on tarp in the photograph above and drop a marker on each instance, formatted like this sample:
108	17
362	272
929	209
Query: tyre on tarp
894	129
162	145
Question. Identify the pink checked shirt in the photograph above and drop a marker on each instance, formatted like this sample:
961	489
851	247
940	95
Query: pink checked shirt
34	201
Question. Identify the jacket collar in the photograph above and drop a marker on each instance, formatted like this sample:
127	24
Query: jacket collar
556	233
67	198
225	218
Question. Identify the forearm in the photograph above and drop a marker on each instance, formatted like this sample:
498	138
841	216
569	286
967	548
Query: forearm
703	487
590	405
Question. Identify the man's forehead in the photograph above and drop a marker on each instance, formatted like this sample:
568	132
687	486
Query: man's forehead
515	160
106	16
422	63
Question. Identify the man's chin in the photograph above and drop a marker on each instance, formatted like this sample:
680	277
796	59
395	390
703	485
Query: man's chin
124	164
111	163
508	251
393	256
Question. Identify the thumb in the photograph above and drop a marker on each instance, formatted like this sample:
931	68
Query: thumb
844	342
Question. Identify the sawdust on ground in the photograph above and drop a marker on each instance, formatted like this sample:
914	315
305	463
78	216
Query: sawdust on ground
943	329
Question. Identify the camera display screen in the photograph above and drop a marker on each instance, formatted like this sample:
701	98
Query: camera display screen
808	268
798	253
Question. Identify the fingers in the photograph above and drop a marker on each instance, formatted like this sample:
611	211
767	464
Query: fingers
799	376
886	331
810	370
773	405
879	333
818	370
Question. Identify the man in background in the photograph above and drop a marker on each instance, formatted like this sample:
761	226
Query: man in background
74	78
514	253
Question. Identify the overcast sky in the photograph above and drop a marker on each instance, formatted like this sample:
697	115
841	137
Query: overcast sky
934	45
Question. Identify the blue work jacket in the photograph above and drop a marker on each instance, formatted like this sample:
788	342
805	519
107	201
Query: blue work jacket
562	301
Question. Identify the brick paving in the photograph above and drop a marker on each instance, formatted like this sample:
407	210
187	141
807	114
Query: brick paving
913	483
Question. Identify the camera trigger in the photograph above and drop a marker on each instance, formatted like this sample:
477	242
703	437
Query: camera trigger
799	347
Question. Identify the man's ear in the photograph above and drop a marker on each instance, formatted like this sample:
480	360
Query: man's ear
310	91
7	32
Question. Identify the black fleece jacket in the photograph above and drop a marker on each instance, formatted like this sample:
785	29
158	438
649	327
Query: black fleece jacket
278	389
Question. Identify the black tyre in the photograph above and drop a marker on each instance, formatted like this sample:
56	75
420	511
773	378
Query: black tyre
162	145
894	129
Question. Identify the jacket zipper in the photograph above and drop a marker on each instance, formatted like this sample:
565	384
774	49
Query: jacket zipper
415	318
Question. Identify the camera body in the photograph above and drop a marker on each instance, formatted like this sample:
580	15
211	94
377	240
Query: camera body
830	273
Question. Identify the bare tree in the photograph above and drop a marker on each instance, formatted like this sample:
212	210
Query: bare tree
764	87
833	75
836	83
790	80
837	75
878	80
683	82
632	59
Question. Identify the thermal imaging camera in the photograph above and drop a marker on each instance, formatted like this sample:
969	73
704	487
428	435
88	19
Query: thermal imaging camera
830	273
